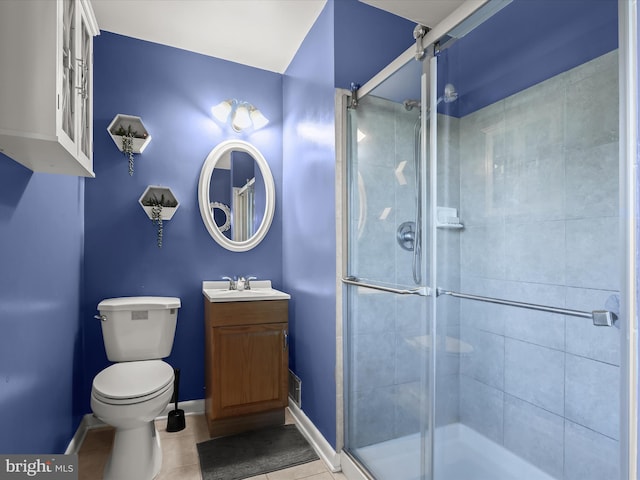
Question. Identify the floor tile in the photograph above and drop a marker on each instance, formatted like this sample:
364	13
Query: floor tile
305	470
187	472
180	454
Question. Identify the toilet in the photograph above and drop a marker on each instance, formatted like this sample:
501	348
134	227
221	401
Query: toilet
128	395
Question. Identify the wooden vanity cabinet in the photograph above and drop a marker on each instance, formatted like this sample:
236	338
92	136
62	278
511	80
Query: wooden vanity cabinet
246	365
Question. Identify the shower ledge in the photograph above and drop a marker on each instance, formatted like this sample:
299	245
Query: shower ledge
452	226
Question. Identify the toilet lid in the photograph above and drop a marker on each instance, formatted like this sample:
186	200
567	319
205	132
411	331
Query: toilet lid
133	379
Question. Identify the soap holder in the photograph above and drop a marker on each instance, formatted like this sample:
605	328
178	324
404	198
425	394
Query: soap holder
447	217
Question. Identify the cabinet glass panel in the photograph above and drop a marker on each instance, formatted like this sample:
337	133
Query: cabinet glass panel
68	69
85	90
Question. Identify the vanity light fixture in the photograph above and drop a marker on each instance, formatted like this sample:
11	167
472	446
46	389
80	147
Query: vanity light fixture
241	115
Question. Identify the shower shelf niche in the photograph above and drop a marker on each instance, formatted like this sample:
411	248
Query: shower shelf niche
452	226
448	218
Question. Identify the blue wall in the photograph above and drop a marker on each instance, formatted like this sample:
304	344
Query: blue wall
366	40
309	222
63	249
41	231
172	91
339	49
506	55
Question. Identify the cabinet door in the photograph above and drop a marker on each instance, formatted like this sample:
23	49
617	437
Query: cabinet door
46	82
85	90
250	369
75	125
67	55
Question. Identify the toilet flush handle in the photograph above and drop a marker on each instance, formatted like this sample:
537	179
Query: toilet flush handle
100	317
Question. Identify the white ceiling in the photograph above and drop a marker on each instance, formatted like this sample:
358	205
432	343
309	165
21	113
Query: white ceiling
424	12
260	33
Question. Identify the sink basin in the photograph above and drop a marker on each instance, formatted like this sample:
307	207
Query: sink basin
218	291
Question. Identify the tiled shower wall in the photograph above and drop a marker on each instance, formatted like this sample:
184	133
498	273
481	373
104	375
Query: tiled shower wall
539	200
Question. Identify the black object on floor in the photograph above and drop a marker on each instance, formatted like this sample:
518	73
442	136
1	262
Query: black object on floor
175	419
254	453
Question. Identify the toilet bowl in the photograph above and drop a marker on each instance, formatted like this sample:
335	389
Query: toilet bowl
129	396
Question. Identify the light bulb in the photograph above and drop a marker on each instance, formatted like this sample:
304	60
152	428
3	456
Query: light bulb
222	111
258	119
241	119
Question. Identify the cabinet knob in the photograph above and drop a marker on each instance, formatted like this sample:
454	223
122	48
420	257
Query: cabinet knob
285	334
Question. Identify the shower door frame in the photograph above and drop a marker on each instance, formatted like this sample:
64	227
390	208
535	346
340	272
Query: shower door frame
628	186
343	101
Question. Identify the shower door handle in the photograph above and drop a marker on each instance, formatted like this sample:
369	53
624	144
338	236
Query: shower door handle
422	291
600	318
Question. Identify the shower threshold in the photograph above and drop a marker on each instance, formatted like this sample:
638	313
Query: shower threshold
461	454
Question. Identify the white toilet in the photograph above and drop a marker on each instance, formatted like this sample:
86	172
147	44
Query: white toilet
129	395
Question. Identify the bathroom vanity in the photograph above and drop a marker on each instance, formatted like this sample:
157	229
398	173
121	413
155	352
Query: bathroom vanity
246	357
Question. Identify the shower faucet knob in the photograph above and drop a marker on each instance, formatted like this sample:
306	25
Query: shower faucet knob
406	235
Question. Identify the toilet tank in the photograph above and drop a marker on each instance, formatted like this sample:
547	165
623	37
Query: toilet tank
138	328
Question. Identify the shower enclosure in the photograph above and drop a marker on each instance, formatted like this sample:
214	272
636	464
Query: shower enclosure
482	261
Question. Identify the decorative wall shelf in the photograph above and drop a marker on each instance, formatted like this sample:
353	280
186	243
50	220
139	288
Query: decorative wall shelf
121	124
156	194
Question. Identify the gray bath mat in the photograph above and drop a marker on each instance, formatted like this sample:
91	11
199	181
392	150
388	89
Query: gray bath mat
253	453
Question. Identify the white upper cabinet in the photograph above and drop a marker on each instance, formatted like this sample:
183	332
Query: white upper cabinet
46	84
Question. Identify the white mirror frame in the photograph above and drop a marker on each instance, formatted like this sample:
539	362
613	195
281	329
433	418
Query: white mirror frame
204	201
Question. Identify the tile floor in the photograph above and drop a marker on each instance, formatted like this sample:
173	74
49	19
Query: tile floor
180	456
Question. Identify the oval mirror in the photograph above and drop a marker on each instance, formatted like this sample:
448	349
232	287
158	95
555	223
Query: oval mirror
236	195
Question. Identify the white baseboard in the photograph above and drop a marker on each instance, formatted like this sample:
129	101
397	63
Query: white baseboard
89	421
324	450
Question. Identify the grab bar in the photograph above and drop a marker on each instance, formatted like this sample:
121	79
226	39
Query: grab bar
422	291
600	318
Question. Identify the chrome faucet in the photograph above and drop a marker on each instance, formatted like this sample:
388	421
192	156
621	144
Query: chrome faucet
232	283
247	282
240	284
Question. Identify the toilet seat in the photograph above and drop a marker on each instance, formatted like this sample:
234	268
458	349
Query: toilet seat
132	382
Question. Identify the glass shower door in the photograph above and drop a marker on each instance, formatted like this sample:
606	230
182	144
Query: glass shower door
510	370
528	386
386	356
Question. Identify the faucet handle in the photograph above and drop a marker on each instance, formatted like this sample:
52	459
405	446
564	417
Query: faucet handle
232	282
247	282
